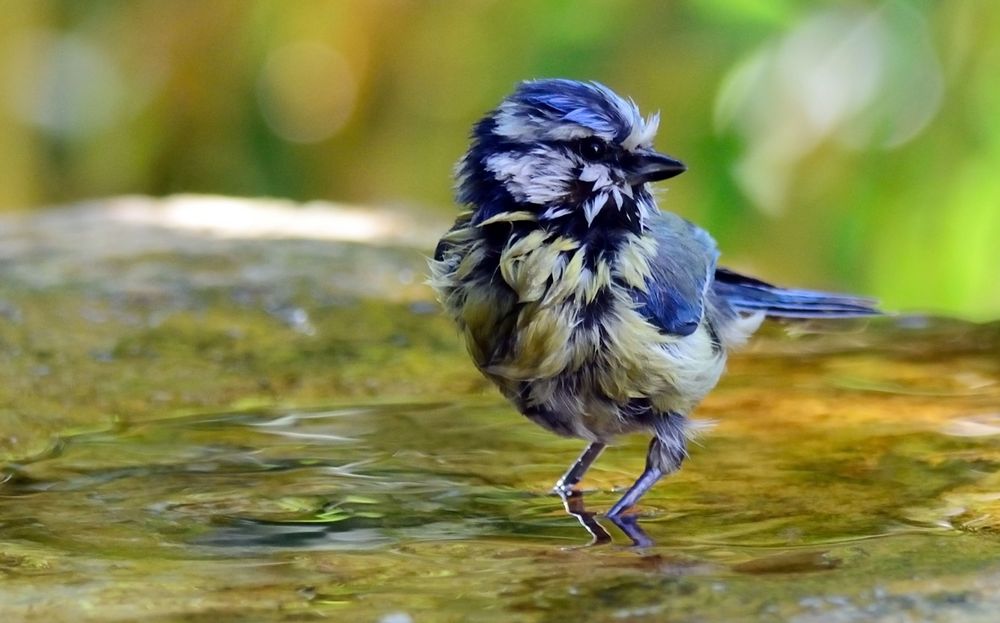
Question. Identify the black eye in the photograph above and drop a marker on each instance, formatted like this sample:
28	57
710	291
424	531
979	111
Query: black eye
593	148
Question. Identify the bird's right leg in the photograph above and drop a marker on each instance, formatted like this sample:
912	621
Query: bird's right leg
579	467
667	450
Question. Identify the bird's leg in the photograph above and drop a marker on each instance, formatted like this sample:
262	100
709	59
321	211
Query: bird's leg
578	468
573	503
665	455
636	491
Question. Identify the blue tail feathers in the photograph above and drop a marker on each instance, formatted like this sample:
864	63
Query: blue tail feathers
750	295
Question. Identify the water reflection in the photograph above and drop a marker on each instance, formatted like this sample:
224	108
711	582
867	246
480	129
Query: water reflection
808	487
369	476
629	524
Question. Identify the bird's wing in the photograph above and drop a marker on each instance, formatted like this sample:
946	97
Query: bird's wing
681	269
747	294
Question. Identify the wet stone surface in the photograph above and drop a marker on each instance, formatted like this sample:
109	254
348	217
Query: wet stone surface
283	429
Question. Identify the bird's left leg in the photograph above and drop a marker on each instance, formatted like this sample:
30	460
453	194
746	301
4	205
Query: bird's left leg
667	450
578	468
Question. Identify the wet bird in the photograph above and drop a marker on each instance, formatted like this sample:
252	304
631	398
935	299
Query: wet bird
595	313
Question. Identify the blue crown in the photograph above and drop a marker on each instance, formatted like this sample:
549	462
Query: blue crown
588	104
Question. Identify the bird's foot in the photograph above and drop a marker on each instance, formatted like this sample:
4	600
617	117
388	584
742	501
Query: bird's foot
564	489
573	503
629	524
617	511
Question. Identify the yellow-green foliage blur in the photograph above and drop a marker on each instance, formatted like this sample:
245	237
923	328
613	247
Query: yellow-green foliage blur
830	144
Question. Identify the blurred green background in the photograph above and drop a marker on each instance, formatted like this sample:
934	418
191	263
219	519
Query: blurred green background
848	145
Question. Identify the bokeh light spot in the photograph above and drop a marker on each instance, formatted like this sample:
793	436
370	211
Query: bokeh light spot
63	84
861	78
306	91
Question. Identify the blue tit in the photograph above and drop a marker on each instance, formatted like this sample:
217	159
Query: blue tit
595	313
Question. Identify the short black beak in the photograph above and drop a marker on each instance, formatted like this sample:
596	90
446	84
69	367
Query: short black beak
651	166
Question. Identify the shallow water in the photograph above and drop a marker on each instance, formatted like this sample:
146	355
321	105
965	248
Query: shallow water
843	481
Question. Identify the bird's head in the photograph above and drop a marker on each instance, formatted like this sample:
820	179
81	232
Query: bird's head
568	152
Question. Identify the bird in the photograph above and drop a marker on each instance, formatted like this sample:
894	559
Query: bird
595	313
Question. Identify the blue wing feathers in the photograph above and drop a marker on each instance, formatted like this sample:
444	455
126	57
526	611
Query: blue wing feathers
748	294
674	295
684	269
668	309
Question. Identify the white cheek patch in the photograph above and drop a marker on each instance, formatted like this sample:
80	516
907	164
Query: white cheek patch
598	174
541	176
545	177
606	189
